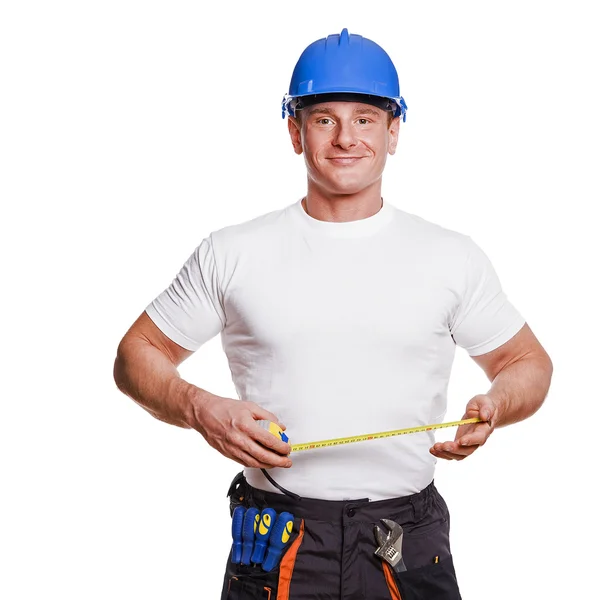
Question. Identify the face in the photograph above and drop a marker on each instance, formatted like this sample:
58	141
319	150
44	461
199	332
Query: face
345	144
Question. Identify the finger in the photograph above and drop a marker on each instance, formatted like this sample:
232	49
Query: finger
449	455
437	454
231	448
453	456
275	444
477	436
453	451
481	406
471	440
260	413
482	427
487	414
248	428
266	456
465	430
446	447
249	461
266	438
238	441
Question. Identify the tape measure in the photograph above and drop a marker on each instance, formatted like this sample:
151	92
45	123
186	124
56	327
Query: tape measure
276	430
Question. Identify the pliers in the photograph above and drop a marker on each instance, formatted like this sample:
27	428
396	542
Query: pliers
390	544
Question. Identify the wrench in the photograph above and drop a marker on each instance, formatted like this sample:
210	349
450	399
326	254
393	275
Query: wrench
390	544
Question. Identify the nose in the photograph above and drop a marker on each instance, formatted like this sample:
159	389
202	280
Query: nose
344	135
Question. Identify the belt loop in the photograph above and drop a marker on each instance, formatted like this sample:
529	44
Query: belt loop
415	513
238	479
420	502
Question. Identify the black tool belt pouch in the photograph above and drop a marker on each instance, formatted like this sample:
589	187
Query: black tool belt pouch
251	582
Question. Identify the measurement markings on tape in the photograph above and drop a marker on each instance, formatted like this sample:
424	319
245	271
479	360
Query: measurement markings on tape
382	434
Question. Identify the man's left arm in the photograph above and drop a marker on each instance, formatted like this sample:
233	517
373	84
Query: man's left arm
520	371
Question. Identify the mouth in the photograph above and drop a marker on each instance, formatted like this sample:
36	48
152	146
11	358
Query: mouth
345	160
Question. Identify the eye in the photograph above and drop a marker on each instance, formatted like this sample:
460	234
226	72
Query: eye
324	119
363	121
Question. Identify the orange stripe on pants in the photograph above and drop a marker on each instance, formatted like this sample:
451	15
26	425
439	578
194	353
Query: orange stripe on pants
391	582
287	566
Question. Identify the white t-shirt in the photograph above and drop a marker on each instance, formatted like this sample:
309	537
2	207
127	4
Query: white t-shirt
341	329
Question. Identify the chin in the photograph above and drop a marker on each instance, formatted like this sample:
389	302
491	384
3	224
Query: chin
347	187
346	191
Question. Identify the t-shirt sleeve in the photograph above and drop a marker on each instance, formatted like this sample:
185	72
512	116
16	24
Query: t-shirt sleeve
190	311
485	318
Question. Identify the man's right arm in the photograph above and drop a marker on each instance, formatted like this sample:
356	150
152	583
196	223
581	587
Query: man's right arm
146	371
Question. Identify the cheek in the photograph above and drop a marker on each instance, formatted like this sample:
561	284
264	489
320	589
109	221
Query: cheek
379	147
375	140
314	149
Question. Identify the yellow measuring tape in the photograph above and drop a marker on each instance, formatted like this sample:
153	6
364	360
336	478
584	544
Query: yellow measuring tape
375	436
276	430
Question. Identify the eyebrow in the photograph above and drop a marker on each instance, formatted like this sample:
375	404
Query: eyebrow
328	111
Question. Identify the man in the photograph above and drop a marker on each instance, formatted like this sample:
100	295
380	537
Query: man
339	315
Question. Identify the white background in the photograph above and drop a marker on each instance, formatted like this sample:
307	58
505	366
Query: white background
130	130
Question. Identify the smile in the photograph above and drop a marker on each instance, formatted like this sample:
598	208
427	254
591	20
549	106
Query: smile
350	160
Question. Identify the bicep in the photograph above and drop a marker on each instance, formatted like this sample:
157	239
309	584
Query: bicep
146	330
522	344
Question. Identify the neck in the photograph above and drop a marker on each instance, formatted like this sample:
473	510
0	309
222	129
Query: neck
325	206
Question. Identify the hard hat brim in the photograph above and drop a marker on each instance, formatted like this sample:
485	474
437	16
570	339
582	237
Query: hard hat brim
290	104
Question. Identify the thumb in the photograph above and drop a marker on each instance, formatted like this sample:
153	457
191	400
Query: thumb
476	406
485	408
262	413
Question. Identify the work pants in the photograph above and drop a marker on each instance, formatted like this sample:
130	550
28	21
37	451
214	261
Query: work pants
330	554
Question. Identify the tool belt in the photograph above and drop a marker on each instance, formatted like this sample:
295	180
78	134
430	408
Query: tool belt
340	538
252	582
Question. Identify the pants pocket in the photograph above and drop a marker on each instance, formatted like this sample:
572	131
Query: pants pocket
251	585
431	582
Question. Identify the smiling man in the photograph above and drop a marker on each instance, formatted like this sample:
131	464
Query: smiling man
339	314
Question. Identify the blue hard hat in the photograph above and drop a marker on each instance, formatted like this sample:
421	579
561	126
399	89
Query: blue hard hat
344	63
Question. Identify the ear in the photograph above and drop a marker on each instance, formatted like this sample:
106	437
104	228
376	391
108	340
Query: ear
295	134
393	131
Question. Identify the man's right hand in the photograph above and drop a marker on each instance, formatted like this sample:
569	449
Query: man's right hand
229	426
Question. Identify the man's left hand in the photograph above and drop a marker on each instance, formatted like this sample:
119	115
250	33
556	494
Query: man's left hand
469	437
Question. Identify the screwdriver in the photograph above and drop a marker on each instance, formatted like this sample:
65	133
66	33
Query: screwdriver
280	536
267	519
236	532
249	527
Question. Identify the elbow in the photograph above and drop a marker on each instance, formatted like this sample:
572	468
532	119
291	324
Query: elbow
118	372
544	363
548	367
119	366
550	371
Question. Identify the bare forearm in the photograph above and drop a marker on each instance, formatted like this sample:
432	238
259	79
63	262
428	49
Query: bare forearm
148	377
520	388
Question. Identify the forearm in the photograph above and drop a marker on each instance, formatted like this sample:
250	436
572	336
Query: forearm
148	377
520	388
